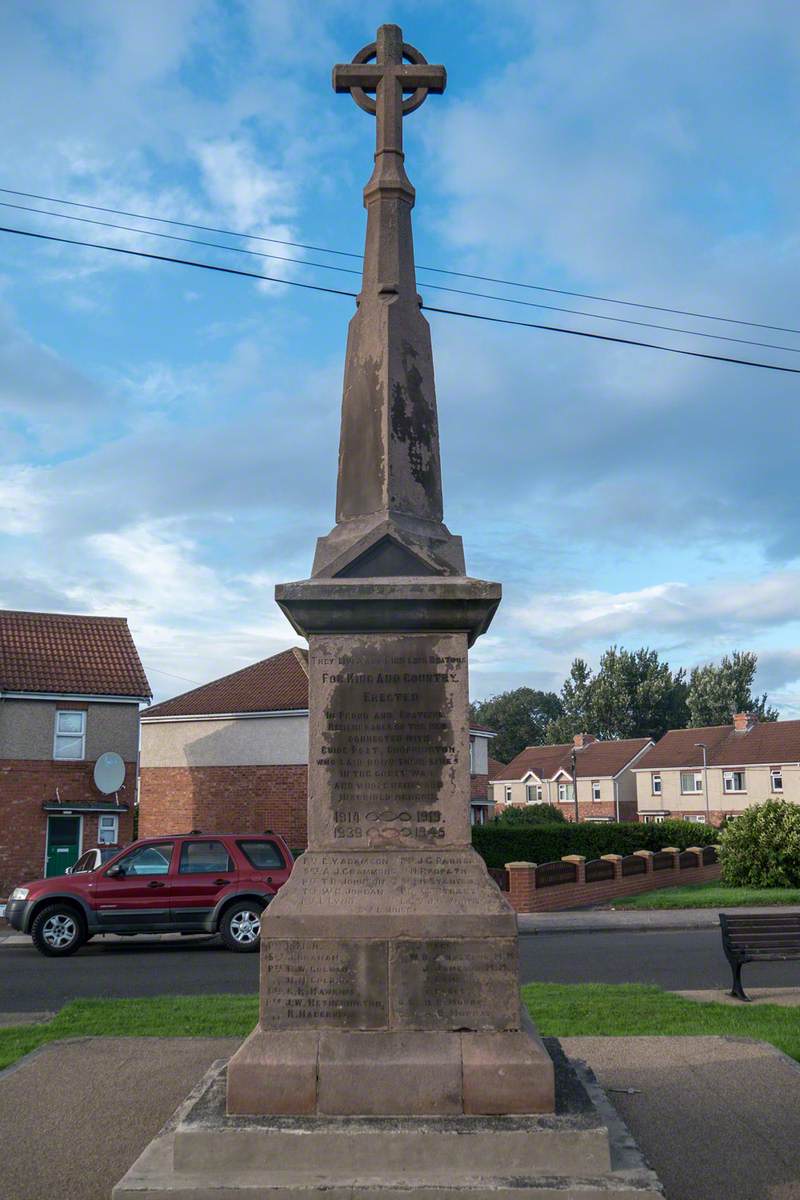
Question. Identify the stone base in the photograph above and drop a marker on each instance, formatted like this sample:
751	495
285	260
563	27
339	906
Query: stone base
582	1151
337	1072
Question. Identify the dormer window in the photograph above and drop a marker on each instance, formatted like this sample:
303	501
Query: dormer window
70	735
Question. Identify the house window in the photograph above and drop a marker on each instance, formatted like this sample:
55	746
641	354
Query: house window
565	793
508	795
653	819
70	734
776	778
691	781
533	793
733	781
655	784
107	829
596	789
472	756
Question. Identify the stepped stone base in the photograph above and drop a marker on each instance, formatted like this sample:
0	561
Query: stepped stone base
582	1151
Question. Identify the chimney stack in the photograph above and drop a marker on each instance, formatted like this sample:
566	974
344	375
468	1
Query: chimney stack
581	740
744	722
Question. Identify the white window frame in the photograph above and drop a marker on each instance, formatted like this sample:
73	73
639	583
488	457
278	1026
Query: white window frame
563	793
653	819
597	794
656	784
698	783
57	733
472	756
533	793
729	777
776	772
114	817
508	794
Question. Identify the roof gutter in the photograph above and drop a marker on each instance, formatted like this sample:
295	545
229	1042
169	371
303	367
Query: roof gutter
90	696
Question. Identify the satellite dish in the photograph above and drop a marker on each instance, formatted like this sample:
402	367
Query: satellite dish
109	773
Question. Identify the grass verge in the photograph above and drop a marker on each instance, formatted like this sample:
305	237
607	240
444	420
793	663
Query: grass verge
631	1009
161	1016
710	895
559	1010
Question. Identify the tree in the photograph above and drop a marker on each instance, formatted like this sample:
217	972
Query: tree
531	814
718	690
576	704
633	694
519	719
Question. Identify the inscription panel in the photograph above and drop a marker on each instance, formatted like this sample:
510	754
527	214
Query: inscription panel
389	741
454	984
389	883
324	982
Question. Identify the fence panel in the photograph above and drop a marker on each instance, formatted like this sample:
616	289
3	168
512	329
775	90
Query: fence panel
551	874
598	869
634	864
663	860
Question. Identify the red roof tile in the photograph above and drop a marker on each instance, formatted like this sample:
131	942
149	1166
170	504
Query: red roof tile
766	742
482	728
594	761
69	654
277	684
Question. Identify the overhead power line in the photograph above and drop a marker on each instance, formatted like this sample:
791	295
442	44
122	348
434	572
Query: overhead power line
576	312
536	287
315	287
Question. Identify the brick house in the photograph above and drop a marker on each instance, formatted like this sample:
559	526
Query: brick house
233	754
745	763
604	770
70	691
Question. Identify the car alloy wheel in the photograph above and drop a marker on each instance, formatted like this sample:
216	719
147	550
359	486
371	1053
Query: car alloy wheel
59	931
245	927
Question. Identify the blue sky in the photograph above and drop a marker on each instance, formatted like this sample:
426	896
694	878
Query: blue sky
168	437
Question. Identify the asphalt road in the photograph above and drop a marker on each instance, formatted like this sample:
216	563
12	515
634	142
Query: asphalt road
677	960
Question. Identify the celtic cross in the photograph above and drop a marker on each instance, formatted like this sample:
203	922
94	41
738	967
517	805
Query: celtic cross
380	68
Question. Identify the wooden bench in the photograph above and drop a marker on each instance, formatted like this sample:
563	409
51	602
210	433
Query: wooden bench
758	937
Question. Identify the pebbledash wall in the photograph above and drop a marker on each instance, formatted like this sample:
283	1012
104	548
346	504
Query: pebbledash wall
35	786
574	883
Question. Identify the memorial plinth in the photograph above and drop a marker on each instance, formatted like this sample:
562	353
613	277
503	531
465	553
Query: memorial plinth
392	1055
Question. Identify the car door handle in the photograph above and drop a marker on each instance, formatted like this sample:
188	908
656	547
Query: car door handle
220	882
155	883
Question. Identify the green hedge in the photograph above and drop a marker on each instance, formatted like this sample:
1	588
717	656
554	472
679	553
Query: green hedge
498	845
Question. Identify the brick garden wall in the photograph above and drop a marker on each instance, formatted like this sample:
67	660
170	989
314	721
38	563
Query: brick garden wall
247	799
528	895
26	784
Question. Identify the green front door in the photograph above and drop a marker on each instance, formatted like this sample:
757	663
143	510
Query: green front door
63	843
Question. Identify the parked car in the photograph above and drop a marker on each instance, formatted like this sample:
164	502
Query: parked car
91	859
184	883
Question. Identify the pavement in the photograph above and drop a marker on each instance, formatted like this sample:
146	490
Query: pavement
608	920
715	1117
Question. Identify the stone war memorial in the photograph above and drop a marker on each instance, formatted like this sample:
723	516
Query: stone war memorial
392	1055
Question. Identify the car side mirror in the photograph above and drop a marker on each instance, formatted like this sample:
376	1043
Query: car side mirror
115	872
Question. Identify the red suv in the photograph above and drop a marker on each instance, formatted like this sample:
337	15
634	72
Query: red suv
184	883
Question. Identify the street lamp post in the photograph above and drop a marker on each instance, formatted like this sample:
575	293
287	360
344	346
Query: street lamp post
574	763
702	746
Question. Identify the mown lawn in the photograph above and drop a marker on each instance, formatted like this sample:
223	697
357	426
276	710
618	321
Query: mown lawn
560	1010
710	895
159	1016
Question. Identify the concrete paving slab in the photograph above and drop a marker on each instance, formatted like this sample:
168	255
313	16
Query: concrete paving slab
75	1114
8	1019
715	1117
786	997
